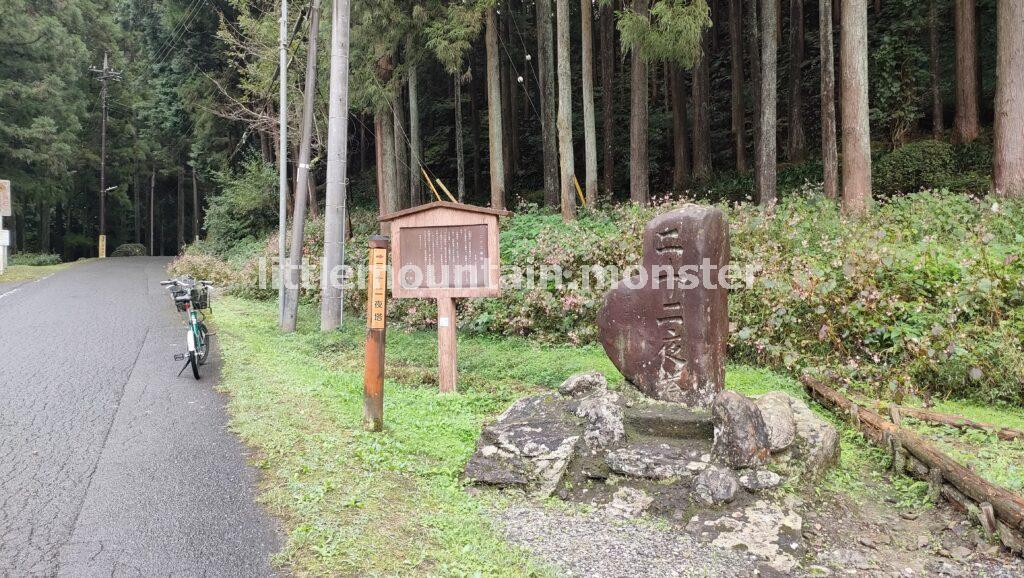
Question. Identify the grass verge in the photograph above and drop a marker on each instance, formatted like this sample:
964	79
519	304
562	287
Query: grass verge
19	273
356	503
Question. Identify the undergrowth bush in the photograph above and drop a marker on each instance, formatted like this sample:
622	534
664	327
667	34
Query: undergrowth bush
129	250
246	207
926	294
34	259
932	164
198	264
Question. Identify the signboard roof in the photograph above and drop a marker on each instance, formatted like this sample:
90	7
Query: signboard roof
446	205
445	250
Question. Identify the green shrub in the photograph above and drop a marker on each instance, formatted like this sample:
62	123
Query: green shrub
246	207
932	164
34	259
975	156
200	265
926	294
130	250
918	165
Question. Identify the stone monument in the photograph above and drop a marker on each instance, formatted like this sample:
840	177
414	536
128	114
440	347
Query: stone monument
667	329
677	446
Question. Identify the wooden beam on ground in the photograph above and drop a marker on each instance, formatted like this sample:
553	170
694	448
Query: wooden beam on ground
959	422
1008	507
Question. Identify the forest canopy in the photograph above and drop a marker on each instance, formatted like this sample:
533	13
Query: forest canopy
191	115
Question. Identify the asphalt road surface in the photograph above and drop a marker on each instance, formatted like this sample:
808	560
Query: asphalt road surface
110	464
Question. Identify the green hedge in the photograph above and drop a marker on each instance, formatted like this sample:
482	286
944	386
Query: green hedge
129	250
932	164
34	259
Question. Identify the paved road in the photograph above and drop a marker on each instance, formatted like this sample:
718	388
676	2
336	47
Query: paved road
109	464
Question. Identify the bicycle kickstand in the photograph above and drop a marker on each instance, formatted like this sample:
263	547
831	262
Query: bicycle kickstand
179	357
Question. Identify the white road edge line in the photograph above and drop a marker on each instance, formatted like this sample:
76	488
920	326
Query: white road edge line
18	288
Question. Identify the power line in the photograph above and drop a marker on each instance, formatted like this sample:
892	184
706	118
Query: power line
518	78
168	47
188	11
175	33
525	49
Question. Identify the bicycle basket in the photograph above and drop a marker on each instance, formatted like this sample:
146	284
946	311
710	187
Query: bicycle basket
181	306
201	298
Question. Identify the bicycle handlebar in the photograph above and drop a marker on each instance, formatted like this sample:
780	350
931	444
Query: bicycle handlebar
179	283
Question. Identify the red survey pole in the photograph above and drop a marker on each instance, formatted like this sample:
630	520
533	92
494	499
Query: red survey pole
376	329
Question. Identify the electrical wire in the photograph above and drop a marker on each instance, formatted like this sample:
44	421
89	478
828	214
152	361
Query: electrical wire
516	71
188	11
165	52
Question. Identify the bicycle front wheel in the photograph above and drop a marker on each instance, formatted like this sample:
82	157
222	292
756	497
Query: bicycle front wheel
193	360
203	345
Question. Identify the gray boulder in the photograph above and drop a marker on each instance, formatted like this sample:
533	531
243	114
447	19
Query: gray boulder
603	413
629	502
580	384
529	445
817	441
715	485
741	438
649	459
778	419
758	480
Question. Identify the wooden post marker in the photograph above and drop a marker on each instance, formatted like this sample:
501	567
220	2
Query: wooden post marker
444	251
5	211
447	344
376	332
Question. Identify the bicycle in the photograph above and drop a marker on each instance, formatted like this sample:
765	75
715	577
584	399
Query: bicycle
191	297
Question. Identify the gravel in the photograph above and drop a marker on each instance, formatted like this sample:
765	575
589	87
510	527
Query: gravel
600	545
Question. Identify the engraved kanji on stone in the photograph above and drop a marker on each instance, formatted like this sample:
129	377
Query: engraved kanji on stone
667	338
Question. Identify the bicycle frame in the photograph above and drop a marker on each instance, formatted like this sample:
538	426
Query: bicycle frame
193	338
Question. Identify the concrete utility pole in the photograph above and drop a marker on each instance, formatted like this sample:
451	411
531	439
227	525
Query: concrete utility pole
152	195
104	74
195	206
282	155
302	179
333	296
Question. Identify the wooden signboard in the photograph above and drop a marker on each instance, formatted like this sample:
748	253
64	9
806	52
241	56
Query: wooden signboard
444	251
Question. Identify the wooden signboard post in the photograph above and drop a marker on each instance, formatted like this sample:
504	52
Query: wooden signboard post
5	211
376	328
444	251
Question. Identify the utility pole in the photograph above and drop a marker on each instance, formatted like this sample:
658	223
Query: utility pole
332	287
105	74
302	179
282	156
195	206
152	195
